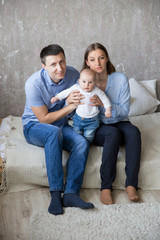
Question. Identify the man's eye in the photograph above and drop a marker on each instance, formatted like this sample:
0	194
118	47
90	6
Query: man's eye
62	62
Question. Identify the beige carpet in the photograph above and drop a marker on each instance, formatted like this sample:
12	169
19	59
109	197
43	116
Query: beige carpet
140	221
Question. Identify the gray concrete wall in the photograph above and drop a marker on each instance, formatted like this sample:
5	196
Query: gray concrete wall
130	29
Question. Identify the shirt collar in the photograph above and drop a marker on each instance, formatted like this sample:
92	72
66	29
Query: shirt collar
49	80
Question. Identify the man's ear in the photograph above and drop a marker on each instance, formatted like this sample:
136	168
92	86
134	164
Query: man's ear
43	66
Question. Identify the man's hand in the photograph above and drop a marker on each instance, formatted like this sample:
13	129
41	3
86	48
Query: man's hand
75	97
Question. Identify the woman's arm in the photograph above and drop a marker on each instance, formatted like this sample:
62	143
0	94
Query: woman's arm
120	107
119	96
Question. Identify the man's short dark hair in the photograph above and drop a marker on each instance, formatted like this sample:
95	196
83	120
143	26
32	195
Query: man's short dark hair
52	49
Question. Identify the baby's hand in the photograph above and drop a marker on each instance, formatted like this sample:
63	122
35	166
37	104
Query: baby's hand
54	99
108	113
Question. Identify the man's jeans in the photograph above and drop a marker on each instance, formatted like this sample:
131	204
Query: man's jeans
86	126
54	139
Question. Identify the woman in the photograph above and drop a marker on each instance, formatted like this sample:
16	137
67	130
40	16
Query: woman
116	130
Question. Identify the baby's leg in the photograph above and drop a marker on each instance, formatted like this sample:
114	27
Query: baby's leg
89	134
77	124
90	127
78	130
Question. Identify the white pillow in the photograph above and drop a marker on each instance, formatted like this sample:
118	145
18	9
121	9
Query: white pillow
150	85
143	97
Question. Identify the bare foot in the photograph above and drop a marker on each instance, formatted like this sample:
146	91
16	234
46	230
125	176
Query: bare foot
106	197
132	194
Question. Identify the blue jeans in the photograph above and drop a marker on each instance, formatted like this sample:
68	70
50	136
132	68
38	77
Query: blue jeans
111	137
86	126
54	139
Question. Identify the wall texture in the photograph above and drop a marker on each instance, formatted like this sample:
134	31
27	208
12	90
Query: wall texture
129	29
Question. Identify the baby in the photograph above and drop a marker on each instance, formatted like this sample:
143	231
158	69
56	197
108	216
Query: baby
86	118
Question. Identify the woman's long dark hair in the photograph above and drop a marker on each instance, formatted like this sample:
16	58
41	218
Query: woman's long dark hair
110	67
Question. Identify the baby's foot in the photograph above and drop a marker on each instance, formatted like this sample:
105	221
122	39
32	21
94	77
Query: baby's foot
132	194
106	197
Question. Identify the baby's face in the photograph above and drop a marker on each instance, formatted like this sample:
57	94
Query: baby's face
87	82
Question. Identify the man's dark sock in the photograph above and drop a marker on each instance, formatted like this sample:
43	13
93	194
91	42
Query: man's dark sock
73	200
55	206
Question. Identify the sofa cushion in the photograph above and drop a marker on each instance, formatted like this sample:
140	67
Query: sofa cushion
25	163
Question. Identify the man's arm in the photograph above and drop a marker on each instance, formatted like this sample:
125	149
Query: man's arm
45	117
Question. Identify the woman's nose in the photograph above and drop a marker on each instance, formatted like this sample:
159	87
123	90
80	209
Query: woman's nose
97	61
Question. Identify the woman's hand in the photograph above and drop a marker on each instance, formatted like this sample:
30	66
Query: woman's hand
75	97
96	101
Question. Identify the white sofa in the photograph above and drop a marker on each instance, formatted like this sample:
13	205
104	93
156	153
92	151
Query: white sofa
24	164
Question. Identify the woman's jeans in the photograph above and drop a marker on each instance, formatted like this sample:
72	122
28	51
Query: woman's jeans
54	139
111	137
86	126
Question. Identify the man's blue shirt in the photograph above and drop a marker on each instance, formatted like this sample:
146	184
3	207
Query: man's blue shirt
39	89
118	92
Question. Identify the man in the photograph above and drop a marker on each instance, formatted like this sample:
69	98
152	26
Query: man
45	124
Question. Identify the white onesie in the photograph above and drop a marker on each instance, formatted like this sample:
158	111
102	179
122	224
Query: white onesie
85	110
